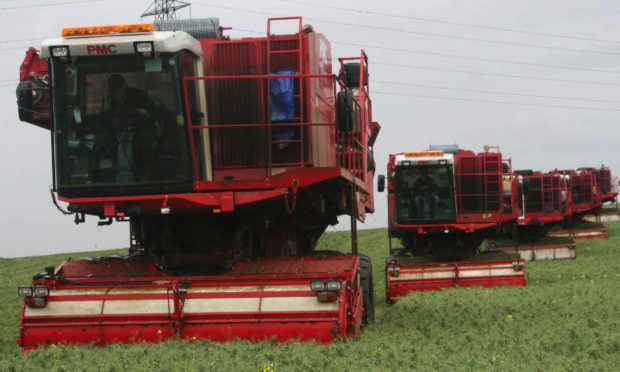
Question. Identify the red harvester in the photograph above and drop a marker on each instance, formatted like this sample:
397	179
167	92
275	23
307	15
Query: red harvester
586	199
443	203
228	158
546	201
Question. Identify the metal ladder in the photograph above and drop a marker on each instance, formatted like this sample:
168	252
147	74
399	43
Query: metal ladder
298	97
492	174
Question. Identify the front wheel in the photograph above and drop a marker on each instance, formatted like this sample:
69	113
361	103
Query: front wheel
368	296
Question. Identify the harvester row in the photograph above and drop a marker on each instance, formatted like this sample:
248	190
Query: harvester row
443	203
229	157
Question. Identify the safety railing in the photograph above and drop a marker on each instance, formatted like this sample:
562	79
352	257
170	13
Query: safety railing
544	194
352	150
474	196
479	186
252	145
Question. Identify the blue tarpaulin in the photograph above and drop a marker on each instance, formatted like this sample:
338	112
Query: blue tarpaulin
282	104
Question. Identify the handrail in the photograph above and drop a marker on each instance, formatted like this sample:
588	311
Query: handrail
344	157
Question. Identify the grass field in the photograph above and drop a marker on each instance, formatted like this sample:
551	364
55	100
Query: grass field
567	318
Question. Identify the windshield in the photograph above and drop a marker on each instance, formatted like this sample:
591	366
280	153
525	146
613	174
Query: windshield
118	122
424	194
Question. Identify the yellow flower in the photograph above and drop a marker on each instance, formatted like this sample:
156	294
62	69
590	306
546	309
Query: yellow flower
560	276
583	276
604	275
509	317
53	345
159	331
268	367
193	338
468	288
553	301
494	358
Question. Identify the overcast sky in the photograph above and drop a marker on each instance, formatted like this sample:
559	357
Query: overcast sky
540	79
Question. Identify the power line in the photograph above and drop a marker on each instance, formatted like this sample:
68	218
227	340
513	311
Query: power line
20	40
496	74
427	86
412	51
446	55
496	102
50	4
474	72
462	24
464	100
25	48
429	34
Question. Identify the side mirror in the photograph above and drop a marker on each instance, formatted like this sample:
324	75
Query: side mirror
380	183
33	103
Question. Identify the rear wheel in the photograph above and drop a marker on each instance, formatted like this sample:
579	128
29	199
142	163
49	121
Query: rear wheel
368	296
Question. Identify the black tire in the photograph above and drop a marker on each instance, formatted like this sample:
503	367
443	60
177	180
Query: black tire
368	296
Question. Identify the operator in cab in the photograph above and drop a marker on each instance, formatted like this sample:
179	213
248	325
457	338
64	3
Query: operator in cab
425	195
128	112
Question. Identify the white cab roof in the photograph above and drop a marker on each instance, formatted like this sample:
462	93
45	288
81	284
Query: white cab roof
424	159
112	44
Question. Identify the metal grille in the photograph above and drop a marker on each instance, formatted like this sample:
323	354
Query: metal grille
199	28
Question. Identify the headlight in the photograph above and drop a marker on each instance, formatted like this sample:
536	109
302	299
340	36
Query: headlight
144	48
24	291
334	285
393	271
317	285
60	51
41	291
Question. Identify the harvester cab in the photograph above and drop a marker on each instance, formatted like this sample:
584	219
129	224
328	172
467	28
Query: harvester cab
424	190
442	204
229	158
119	113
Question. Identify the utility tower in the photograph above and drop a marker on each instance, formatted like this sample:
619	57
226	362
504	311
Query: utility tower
164	9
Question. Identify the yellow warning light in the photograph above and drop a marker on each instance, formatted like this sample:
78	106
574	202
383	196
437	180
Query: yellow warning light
425	153
110	29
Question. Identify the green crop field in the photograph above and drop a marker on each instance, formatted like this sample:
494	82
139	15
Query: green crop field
567	318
